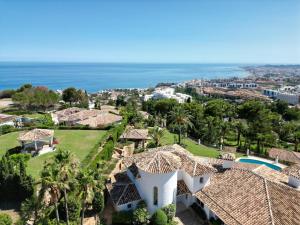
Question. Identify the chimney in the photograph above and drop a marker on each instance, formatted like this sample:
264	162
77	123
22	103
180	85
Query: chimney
228	160
294	176
294	180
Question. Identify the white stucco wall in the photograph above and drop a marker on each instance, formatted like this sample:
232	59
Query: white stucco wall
166	184
10	123
186	199
193	183
54	118
124	207
227	164
294	182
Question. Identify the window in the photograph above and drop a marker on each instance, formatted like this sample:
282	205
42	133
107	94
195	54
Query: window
129	206
155	196
201	180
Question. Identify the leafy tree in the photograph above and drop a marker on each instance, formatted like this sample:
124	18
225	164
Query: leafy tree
35	98
15	184
180	118
70	95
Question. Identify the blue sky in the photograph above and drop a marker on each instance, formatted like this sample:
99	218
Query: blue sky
211	31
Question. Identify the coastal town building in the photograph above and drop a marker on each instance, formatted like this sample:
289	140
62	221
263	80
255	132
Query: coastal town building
232	192
290	94
168	92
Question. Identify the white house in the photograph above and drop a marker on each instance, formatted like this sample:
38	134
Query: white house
168	92
6	119
234	195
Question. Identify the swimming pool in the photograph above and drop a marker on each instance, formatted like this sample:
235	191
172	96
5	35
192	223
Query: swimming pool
255	161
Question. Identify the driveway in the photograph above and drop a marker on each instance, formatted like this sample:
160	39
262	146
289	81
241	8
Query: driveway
188	217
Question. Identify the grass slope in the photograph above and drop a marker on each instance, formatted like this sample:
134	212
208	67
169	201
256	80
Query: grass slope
79	142
8	141
191	146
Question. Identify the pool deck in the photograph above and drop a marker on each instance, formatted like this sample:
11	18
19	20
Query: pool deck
282	166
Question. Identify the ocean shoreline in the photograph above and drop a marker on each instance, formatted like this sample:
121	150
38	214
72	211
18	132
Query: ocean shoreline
95	77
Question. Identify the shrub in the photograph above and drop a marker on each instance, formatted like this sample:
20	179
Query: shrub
6	129
141	215
159	218
5	219
98	202
73	207
170	211
119	218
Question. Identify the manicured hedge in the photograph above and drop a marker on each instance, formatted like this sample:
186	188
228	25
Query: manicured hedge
108	143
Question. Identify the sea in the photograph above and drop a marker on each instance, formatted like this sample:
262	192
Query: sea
95	77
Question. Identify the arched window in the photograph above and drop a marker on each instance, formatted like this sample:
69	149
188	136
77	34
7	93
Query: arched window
155	195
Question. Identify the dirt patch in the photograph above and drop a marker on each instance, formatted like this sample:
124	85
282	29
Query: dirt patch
5	102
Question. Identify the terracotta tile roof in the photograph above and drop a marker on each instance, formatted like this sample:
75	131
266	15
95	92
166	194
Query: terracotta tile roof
138	134
81	115
109	108
101	120
36	135
67	112
293	170
285	155
192	166
123	193
182	188
169	158
244	166
122	190
159	162
241	197
270	174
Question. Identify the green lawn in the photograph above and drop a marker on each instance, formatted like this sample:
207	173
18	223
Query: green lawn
80	142
191	146
8	141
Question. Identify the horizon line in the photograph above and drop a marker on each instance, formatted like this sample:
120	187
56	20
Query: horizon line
148	62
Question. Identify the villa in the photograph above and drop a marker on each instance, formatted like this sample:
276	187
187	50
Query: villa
232	192
93	118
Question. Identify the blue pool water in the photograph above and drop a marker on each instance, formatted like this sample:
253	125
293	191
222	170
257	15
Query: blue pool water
254	161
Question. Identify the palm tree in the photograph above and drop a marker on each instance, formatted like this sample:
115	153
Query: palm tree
49	183
180	118
157	133
86	186
67	167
